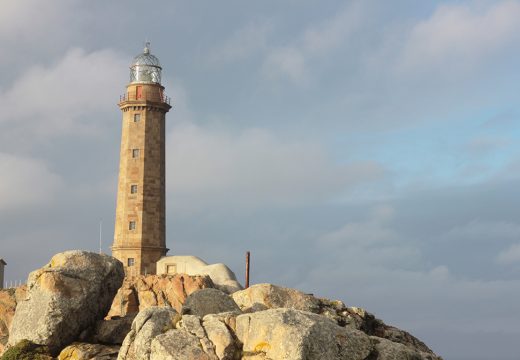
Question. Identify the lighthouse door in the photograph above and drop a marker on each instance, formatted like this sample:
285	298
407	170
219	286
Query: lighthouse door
139	92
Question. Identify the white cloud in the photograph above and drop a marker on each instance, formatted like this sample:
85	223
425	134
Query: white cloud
254	168
335	31
477	231
25	182
462	35
29	28
64	98
286	62
373	241
510	255
245	42
316	41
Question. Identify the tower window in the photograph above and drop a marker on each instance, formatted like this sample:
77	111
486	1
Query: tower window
137	117
131	225
133	189
135	153
131	261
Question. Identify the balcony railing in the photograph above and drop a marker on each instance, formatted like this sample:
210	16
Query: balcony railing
146	95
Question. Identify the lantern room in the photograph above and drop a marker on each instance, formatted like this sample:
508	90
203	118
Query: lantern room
145	68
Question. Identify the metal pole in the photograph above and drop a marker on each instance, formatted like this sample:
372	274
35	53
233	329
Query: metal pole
100	235
248	258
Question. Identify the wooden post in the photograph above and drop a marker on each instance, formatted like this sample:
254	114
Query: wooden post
248	257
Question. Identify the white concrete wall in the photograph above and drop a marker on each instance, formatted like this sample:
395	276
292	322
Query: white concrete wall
220	274
190	265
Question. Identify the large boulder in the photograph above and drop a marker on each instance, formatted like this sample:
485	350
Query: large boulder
147	325
178	345
267	296
288	334
197	339
8	300
142	292
209	301
218	328
65	297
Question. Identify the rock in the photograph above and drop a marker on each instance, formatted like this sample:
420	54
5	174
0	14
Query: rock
113	331
266	296
65	297
208	301
26	350
192	324
8	300
147	325
178	345
83	351
388	350
195	339
223	340
143	292
298	335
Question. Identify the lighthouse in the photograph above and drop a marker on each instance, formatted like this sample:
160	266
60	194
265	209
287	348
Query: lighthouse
140	227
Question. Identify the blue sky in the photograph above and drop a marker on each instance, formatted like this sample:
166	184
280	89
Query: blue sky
362	150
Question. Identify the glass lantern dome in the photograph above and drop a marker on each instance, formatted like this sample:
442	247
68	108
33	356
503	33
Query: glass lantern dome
145	68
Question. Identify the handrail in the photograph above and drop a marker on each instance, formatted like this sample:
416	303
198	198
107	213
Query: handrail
151	96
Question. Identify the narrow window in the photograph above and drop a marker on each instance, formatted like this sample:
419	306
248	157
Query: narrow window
135	153
133	189
137	117
131	261
131	225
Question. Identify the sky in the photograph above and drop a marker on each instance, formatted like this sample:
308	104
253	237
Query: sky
366	151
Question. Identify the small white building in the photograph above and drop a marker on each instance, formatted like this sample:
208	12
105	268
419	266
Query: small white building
220	274
2	265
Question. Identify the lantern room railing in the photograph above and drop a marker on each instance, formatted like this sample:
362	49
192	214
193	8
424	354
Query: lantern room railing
146	95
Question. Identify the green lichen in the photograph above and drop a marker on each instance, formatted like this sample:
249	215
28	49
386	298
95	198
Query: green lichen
26	350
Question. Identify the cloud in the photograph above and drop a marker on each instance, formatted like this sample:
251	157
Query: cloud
462	36
64	98
254	168
373	240
243	43
25	182
510	255
286	62
290	61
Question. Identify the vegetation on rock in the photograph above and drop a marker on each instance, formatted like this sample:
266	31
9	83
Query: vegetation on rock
26	350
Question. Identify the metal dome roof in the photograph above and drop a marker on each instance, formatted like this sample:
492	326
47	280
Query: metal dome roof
145	68
146	58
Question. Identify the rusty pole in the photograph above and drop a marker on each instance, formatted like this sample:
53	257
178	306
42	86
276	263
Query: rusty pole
248	257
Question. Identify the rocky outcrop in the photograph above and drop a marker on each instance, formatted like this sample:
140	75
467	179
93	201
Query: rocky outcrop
184	317
209	301
66	296
268	296
142	292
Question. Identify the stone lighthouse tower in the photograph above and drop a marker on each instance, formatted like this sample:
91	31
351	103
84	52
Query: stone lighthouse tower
140	230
